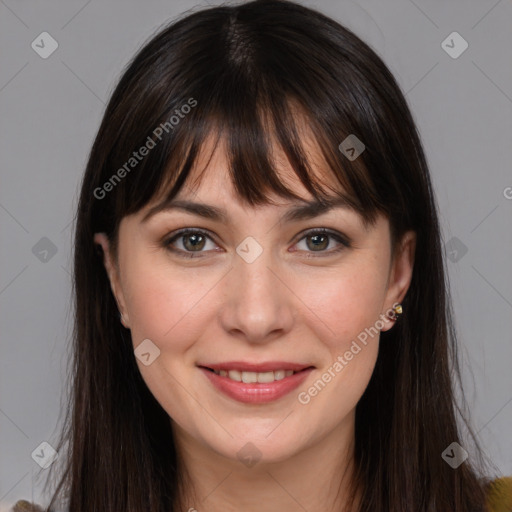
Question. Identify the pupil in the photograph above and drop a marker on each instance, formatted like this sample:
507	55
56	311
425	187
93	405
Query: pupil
196	243
316	238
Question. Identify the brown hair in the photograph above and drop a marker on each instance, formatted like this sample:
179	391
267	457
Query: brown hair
247	67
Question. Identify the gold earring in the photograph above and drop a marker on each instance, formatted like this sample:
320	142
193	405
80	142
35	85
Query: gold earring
397	312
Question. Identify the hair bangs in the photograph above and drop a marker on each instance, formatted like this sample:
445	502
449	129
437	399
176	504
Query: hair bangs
256	132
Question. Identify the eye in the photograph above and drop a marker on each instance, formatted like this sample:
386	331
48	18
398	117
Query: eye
195	240
192	241
317	240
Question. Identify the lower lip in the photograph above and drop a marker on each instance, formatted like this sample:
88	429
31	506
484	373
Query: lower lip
257	393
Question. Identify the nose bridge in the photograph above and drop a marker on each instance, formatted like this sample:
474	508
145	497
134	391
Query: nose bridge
257	303
253	266
253	271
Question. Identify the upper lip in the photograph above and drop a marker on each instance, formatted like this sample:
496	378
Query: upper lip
268	366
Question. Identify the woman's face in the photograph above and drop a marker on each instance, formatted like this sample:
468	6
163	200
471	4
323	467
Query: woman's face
256	289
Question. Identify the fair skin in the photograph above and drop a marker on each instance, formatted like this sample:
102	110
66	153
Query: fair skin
294	302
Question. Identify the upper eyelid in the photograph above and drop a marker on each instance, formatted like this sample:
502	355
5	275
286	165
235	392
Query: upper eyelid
343	239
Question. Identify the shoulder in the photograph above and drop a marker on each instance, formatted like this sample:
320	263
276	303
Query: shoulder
499	494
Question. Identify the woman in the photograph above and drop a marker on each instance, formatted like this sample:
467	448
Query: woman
262	319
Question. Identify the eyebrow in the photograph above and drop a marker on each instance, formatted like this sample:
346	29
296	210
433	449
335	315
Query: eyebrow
304	211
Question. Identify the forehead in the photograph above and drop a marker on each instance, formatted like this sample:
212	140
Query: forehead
210	177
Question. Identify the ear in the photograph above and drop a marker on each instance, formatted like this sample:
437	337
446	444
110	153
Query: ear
400	275
113	275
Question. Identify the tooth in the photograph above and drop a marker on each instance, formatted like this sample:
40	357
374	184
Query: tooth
266	377
235	375
253	377
249	377
279	374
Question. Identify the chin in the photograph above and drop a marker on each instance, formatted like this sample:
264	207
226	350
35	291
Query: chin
258	447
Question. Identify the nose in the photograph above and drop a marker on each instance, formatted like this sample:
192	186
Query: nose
259	305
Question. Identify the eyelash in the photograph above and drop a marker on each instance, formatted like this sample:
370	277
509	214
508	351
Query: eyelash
344	242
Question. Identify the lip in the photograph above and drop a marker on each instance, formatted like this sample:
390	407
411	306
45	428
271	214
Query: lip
256	393
268	366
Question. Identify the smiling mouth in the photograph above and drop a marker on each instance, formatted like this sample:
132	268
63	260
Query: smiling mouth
255	377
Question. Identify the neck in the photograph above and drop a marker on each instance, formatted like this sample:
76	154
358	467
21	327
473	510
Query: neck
316	478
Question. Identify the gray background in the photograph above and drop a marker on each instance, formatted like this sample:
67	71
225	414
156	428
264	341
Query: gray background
51	109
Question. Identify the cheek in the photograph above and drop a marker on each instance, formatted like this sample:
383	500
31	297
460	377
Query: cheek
165	306
346	301
347	304
347	307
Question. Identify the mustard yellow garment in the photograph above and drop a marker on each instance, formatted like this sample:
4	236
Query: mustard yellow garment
499	495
